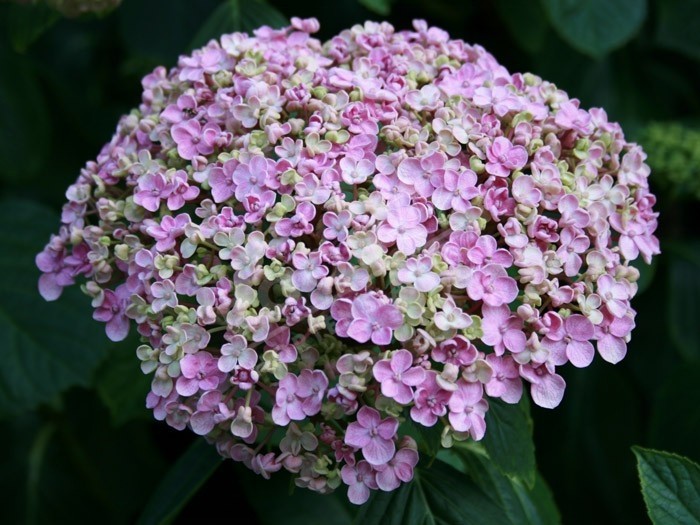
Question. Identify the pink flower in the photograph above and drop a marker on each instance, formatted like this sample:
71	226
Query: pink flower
468	409
505	381
492	285
403	226
418	272
573	339
430	401
153	187
199	371
360	479
112	310
502	330
397	376
398	469
546	387
190	138
612	335
366	317
504	158
373	435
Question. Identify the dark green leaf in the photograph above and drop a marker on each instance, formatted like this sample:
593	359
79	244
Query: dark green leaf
438	494
121	384
684	299
670	486
24	126
45	347
508	440
26	23
521	504
180	483
381	7
293	505
234	15
678	26
525	22
596	27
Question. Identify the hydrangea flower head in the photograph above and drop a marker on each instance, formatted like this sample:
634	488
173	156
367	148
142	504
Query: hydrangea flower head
335	238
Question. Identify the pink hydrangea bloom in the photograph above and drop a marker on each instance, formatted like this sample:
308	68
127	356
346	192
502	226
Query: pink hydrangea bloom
360	246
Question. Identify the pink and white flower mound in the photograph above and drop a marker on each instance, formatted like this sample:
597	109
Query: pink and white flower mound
320	241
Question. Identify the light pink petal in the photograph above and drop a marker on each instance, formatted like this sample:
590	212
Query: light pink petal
378	451
358	493
612	349
549	392
580	353
361	330
414	377
401	361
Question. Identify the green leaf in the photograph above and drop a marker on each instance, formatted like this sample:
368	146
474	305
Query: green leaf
121	385
596	27
293	505
678	26
180	483
24	126
684	298
508	440
232	16
26	23
534	505
526	23
381	7
45	347
438	494
670	486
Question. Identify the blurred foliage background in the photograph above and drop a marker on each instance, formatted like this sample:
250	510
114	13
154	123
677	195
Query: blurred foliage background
79	446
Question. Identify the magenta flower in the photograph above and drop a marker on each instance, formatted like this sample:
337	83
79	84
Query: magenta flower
373	435
397	376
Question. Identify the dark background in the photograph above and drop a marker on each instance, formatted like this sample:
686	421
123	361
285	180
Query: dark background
78	445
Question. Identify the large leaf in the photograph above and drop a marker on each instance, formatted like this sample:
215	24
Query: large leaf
45	347
596	27
438	494
180	483
121	384
534	505
381	7
670	486
678	26
235	15
526	23
73	466
26	23
508	439
24	126
684	299
293	505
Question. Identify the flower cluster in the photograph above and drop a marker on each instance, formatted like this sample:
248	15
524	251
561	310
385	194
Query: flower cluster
320	244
